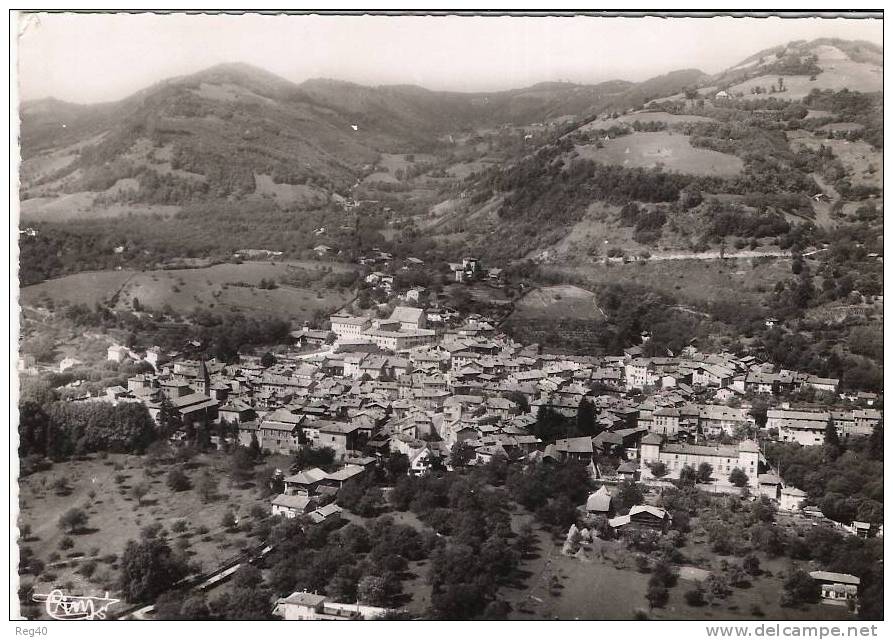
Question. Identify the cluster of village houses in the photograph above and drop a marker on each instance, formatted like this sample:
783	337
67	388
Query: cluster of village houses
368	387
378	385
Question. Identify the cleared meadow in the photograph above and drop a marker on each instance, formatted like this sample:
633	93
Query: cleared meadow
671	152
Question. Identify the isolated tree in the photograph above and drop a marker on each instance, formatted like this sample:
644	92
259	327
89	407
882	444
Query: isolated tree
139	491
715	587
148	568
695	597
207	487
629	494
751	564
254	448
799	588
398	465
153	530
705	471
177	480
586	417
688	476
73	520
657	596
658	469
169	419
461	454
241	465
736	575
876	442
228	521
267	360
832	438
738	477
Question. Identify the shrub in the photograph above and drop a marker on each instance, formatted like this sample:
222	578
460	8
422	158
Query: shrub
657	595
738	477
88	568
695	597
799	588
751	564
228	521
61	487
66	543
73	520
177	480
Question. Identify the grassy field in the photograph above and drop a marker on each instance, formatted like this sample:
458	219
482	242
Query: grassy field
590	590
464	169
390	163
101	488
760	600
598	232
863	163
603	584
691	280
77	206
287	195
565	301
842	74
216	287
672	152
644	117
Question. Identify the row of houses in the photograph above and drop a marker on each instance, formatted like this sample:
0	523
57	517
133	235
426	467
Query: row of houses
720	371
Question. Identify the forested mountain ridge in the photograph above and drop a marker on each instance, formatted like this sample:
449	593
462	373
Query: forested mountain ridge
503	174
211	133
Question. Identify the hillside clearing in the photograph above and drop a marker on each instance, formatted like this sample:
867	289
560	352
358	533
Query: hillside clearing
843	74
101	487
644	117
862	162
695	281
566	301
671	152
225	287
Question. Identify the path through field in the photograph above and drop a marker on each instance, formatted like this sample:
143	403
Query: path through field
823	209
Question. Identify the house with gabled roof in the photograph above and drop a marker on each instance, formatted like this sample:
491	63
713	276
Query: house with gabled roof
409	318
643	517
292	505
599	502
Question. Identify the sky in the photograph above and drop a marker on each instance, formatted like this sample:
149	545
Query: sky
87	58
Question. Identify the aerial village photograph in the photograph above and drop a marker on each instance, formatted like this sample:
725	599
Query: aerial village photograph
435	317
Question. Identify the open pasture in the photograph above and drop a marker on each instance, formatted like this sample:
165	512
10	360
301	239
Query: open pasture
669	151
559	301
222	287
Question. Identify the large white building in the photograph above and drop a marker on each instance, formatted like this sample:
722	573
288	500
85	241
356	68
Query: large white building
349	326
723	459
399	340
